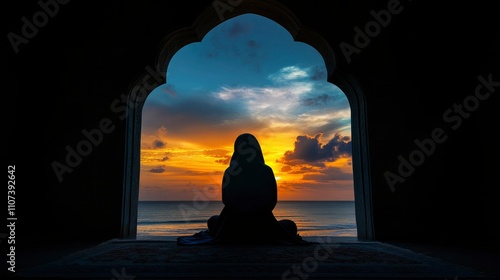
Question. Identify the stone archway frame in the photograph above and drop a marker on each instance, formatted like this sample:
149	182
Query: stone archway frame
208	20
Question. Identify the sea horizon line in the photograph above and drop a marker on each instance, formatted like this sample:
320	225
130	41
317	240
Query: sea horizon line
221	201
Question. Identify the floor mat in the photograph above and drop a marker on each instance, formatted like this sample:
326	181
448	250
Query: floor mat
134	259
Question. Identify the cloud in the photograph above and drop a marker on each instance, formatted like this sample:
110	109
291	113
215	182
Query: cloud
301	100
216	152
236	44
154	139
328	174
224	161
300	168
289	73
262	101
318	73
169	89
323	99
326	124
222	156
158	144
309	149
231	109
252	44
159	169
190	112
165	158
236	29
297	73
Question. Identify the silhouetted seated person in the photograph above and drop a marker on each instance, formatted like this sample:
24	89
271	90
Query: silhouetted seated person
249	195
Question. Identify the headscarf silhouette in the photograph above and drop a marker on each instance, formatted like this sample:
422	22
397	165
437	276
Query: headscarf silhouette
249	184
249	194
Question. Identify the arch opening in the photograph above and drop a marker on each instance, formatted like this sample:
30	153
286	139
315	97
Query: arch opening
288	162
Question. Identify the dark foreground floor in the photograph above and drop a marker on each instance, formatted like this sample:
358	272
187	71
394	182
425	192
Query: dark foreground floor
332	259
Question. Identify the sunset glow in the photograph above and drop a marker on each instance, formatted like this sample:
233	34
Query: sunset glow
247	75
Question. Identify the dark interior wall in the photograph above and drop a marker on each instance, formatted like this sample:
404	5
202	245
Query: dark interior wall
70	76
430	60
416	64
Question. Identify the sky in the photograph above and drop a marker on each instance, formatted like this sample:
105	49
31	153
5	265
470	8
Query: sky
247	75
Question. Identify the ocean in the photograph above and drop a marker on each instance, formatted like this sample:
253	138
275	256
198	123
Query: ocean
181	218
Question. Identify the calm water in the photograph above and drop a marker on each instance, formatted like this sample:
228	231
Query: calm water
180	218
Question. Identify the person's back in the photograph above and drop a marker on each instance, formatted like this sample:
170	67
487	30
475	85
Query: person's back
249	194
249	186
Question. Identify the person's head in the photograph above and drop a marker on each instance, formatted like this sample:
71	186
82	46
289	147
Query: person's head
247	149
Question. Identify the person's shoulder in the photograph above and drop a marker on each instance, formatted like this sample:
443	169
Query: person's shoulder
268	168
